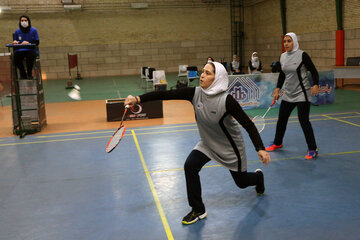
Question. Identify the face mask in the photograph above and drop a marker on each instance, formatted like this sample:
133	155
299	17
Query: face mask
209	61
24	24
256	58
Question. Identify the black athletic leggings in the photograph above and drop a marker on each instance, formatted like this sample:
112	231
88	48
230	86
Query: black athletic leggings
30	57
303	114
194	162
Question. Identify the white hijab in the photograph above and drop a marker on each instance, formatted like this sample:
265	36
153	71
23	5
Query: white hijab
235	64
295	41
255	60
221	81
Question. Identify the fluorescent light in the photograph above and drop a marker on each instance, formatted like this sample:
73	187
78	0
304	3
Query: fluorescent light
5	8
72	7
67	1
139	5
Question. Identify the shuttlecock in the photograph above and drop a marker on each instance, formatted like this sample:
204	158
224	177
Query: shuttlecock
75	93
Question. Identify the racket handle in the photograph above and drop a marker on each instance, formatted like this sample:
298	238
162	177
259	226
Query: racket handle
273	103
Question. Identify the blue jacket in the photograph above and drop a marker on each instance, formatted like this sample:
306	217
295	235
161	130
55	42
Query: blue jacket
31	36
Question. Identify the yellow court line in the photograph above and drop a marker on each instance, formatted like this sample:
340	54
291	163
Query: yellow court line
317	115
111	131
73	134
296	121
172	126
190	125
337	119
160	132
87	138
259	161
326	118
183	130
157	201
50	141
341	113
312	120
349	117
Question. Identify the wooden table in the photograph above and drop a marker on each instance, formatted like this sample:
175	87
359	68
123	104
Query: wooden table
345	72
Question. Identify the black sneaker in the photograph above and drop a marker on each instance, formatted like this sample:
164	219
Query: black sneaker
260	188
193	217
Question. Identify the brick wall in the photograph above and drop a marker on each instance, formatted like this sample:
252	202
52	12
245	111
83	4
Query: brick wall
110	38
127	58
5	74
313	21
110	43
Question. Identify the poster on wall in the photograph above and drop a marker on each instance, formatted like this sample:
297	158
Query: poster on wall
256	90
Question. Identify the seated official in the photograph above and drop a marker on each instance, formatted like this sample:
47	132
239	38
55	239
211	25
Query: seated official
235	67
22	36
255	64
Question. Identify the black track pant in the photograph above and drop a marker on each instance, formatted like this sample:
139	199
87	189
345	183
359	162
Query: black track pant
195	161
30	57
303	114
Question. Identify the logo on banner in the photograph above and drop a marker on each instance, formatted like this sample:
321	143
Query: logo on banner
136	109
245	91
325	89
136	112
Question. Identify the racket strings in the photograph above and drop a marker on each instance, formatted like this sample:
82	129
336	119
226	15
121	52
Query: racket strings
115	139
117	136
259	122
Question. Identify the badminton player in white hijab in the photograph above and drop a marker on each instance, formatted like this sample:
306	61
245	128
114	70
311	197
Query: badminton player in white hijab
220	136
293	79
255	63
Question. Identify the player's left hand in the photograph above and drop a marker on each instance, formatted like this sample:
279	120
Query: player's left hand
315	90
264	157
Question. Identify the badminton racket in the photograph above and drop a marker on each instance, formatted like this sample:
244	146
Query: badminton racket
117	136
259	120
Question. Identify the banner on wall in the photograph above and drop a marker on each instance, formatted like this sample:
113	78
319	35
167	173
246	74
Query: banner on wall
326	88
255	90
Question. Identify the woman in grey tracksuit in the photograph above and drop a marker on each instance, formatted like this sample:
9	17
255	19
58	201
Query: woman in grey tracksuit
297	93
221	139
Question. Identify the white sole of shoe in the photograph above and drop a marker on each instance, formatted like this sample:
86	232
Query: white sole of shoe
202	216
